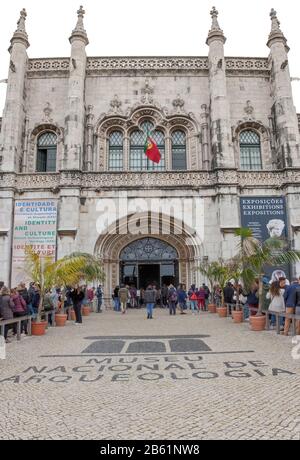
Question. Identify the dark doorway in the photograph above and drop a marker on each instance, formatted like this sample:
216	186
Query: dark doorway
149	274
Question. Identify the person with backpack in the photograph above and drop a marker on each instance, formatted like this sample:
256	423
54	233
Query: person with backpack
124	297
150	299
193	298
172	299
182	296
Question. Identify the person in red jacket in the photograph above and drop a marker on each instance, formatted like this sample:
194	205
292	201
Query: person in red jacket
20	308
201	298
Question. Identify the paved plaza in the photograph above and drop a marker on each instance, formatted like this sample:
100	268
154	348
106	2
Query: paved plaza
173	377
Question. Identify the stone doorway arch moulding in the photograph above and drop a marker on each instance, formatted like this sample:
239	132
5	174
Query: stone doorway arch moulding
188	245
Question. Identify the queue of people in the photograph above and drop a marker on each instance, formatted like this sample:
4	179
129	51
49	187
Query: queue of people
170	297
22	301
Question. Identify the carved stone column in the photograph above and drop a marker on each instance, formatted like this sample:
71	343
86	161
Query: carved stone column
205	137
90	139
168	153
25	154
126	153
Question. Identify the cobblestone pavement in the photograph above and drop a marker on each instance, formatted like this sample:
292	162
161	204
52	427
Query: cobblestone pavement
173	377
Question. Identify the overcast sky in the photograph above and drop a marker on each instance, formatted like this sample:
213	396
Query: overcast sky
150	28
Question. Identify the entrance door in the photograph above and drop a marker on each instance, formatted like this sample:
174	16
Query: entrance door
149	274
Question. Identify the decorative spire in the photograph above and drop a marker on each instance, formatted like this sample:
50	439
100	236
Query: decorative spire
276	32
79	32
215	31
20	34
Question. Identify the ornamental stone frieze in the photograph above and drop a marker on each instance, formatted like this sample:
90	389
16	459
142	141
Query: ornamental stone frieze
172	179
104	65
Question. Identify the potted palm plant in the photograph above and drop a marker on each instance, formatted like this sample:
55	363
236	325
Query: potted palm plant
255	256
67	271
222	273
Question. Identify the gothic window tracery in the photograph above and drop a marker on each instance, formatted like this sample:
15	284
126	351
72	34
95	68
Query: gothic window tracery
46	152
148	249
179	150
115	151
138	161
250	150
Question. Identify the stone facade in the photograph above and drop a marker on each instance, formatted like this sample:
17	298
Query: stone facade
211	99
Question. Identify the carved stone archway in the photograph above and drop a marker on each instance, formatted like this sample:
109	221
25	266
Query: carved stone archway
187	244
264	134
32	150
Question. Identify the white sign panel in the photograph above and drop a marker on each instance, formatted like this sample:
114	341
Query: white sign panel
35	225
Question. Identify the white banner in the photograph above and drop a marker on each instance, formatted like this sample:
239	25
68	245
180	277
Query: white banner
35	225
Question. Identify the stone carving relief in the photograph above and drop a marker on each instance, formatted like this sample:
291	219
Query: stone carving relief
116	105
147	92
47	113
178	104
249	110
198	179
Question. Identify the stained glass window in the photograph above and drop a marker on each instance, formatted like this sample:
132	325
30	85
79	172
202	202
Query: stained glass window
46	152
148	249
179	150
138	160
250	150
115	161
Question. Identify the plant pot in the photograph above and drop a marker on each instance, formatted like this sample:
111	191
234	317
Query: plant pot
258	323
73	316
212	308
222	312
60	319
85	311
237	316
38	328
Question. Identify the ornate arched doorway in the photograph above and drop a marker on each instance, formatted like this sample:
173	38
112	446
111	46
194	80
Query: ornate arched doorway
111	244
149	260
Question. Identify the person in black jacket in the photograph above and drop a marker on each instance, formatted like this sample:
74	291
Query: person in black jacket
228	293
6	310
77	296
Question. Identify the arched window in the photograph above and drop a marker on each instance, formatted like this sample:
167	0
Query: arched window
115	159
138	160
250	150
179	150
46	152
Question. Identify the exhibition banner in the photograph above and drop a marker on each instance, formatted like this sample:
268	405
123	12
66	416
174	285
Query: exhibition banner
266	217
35	225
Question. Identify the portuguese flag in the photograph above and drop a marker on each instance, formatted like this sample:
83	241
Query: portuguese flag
151	150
